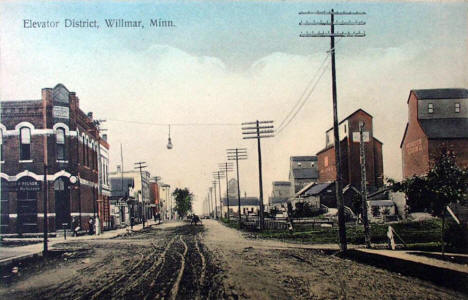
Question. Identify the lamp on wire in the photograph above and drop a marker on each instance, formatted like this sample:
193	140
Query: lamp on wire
169	142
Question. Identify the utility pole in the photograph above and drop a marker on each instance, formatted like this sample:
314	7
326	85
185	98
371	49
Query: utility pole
208	203
218	175
45	187
332	34
168	193
226	167
362	151
260	131
237	154
140	165
216	204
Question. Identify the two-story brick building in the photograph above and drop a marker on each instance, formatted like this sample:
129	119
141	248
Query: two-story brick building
48	150
437	121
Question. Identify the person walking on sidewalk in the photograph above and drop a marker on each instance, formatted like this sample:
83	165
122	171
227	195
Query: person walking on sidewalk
75	226
91	226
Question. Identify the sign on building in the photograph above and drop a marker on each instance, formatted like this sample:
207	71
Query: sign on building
357	136
60	112
28	185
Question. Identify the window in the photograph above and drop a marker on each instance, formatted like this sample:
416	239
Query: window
457	107
430	108
4	207
84	151
1	144
25	143
106	174
60	143
94	157
86	148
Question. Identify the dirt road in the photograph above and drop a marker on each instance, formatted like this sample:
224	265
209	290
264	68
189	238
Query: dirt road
179	261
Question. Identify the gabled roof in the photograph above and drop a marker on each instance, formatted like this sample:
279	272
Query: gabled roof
313	189
360	109
445	128
305	173
404	135
456	93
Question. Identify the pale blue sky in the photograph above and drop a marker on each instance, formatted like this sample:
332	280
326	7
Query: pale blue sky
231	62
236	32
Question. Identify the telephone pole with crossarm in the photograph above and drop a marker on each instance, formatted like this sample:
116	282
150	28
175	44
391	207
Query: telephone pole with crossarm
261	129
332	34
237	154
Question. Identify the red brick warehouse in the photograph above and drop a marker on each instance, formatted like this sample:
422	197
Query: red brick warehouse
350	155
52	131
437	121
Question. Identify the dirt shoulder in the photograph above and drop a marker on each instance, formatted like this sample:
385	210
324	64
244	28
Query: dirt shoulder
267	269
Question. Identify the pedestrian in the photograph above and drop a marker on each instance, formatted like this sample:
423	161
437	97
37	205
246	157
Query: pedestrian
91	226
75	226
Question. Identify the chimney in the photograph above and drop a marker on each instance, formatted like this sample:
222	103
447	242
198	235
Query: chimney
119	169
90	115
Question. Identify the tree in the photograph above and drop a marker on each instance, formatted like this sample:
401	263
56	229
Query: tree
448	184
445	183
416	191
183	198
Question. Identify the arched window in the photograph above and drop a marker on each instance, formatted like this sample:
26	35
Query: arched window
25	143
88	145
60	143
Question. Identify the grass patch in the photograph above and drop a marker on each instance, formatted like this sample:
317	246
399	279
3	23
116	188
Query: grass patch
411	232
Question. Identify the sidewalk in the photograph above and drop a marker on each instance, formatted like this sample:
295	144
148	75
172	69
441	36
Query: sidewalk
11	254
408	256
440	272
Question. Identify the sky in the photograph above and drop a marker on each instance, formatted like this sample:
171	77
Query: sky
228	62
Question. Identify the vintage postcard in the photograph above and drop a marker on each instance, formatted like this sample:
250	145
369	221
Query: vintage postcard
233	149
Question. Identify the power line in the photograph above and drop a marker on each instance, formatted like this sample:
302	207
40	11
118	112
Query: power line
301	101
304	100
304	92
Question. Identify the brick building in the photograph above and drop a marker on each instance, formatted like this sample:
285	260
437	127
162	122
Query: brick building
51	139
350	153
103	201
437	121
155	196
